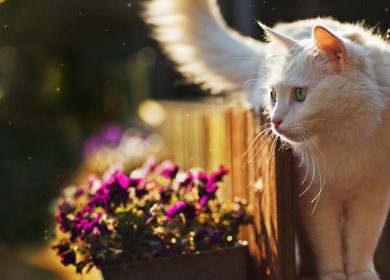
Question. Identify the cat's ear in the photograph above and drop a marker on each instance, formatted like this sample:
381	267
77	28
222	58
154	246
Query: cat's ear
285	41
331	45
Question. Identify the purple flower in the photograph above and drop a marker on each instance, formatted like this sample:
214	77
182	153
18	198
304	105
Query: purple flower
216	236
201	234
80	221
62	217
112	134
140	193
65	223
181	207
86	210
94	226
187	181
122	179
203	200
211	188
113	191
65	208
84	224
175	208
168	169
101	197
67	255
166	194
205	233
217	176
68	258
134	182
202	176
91	145
207	192
109	135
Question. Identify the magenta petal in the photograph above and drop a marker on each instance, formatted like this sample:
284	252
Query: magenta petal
123	180
180	204
223	170
203	200
211	188
171	211
187	181
109	181
217	176
168	169
202	176
176	208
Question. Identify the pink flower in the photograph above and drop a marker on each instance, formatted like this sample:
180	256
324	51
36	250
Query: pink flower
168	169
113	191
181	207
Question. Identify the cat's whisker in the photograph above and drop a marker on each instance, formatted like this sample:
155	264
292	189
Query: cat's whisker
307	163
266	146
318	167
318	120
247	57
265	143
312	177
322	184
256	150
315	158
302	157
307	167
248	81
260	127
257	137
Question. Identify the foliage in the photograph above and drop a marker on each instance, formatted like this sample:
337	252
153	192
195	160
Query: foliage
157	211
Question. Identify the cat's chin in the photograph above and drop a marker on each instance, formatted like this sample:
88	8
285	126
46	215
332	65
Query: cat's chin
291	138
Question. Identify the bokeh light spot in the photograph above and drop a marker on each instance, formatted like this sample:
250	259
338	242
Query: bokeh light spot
146	57
8	58
152	113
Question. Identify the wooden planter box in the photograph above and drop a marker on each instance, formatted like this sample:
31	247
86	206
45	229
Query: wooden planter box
225	264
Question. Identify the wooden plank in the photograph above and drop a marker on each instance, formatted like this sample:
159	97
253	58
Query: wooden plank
285	182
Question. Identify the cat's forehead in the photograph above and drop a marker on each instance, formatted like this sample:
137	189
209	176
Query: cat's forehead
297	68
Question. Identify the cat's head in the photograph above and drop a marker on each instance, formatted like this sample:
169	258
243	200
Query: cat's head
323	86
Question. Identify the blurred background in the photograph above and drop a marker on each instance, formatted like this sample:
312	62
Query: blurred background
70	68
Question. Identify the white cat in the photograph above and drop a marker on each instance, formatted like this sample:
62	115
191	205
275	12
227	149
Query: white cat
326	85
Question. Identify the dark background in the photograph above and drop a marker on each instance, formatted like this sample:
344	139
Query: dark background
69	67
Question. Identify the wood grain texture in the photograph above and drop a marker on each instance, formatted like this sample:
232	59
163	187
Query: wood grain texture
285	182
208	134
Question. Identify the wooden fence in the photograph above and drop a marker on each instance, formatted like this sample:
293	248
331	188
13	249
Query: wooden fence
210	134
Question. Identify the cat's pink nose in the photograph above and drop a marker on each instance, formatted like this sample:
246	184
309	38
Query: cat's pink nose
276	122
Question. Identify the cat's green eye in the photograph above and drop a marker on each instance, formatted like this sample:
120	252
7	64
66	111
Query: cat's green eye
299	94
273	95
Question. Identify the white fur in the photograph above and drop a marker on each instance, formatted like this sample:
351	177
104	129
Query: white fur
340	133
204	48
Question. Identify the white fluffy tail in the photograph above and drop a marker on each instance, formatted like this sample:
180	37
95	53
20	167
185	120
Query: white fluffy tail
205	49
